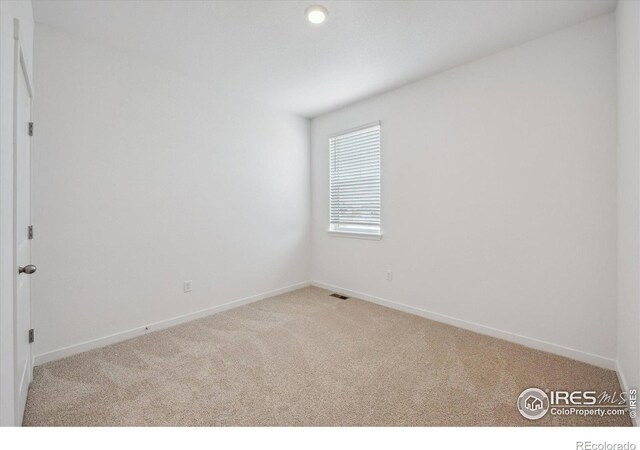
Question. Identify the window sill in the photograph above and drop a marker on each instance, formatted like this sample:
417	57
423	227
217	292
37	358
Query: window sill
355	234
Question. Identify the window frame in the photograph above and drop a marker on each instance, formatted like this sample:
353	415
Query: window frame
372	235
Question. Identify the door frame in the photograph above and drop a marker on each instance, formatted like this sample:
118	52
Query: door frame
20	68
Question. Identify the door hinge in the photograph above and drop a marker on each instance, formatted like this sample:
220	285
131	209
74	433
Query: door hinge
30	128
31	336
30	232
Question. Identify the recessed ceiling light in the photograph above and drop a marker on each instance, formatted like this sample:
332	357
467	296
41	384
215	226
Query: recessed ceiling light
316	14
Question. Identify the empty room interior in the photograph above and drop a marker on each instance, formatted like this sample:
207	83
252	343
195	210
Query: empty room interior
320	213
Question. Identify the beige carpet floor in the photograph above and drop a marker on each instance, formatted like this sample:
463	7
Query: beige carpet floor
305	358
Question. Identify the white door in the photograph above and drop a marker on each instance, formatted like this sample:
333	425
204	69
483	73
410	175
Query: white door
22	221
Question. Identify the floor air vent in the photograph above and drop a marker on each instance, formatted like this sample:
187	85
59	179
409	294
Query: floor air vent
341	297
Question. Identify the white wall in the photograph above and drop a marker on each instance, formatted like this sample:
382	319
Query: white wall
143	180
628	33
499	195
9	10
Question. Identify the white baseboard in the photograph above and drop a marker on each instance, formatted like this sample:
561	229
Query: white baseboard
537	344
139	331
625	387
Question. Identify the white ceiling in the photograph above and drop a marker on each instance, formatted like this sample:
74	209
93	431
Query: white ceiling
267	49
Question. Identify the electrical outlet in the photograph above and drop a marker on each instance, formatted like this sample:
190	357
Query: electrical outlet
389	275
188	286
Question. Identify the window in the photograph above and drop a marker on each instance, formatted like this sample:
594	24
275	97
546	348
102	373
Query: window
354	197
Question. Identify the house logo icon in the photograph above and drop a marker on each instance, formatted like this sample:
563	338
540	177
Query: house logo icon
533	403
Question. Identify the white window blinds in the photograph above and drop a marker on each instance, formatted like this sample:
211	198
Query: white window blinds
355	181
